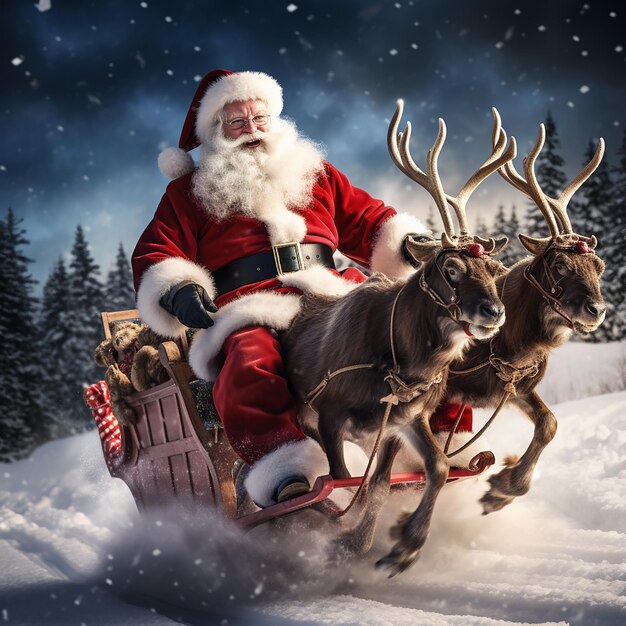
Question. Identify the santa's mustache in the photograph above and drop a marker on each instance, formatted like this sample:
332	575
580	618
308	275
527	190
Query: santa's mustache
243	139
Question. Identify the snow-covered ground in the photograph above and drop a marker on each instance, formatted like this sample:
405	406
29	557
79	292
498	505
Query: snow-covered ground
74	551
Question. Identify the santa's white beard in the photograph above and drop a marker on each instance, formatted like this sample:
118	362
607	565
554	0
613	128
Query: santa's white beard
277	175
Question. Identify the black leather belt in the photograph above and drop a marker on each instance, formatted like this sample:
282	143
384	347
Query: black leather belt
281	259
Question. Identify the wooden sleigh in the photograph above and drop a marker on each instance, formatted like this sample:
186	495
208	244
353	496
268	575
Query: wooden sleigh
174	456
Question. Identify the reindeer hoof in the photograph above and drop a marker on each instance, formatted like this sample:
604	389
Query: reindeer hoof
492	502
397	560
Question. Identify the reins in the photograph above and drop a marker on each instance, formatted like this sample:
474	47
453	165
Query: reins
400	392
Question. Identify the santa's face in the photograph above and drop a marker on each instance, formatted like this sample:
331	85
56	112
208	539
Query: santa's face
249	118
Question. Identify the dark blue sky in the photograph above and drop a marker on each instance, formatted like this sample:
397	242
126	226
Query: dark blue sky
94	90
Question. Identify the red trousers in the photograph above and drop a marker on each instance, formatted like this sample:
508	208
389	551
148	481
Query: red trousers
252	397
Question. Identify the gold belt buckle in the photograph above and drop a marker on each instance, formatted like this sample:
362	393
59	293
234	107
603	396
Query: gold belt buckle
299	258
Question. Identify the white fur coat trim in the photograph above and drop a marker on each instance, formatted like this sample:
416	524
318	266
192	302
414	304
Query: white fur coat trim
157	281
317	279
267	308
299	458
271	309
387	251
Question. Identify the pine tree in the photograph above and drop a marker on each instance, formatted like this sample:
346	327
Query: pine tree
499	223
481	227
86	301
514	250
120	294
21	401
550	176
56	330
613	252
430	222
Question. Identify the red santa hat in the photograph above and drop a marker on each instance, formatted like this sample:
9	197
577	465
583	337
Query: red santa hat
214	91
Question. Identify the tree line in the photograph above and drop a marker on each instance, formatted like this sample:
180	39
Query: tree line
47	343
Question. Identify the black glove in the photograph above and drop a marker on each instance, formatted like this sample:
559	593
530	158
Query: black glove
419	238
189	302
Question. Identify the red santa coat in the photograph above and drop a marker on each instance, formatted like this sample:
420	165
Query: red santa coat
184	242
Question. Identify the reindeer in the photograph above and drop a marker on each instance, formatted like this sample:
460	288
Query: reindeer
392	341
547	296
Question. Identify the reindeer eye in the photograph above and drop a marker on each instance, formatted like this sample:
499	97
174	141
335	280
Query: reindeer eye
560	268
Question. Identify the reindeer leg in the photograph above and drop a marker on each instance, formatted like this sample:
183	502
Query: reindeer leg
331	434
360	539
411	530
514	480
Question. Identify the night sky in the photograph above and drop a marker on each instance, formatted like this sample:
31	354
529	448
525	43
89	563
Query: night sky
92	91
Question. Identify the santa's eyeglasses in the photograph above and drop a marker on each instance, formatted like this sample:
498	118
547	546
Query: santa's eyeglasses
241	122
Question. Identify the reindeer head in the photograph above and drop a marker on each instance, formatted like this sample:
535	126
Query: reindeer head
566	271
458	271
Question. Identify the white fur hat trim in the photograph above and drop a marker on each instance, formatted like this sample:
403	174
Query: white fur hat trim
237	87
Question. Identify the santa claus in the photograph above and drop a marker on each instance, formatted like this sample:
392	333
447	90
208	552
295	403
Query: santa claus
233	242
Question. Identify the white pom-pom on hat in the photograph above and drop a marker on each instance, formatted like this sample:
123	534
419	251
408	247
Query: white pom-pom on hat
175	162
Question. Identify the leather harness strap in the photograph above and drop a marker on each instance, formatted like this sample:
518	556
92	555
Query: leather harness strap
281	259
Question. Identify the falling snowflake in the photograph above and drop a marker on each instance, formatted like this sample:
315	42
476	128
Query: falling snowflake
584	89
393	52
541	28
292	7
570	105
618	48
168	19
44	5
143	5
499	44
17	61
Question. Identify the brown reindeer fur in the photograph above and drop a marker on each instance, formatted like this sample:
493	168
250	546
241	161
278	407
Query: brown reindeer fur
331	333
531	331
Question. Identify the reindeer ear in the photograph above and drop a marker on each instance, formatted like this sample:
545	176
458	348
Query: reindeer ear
592	242
491	245
419	250
534	245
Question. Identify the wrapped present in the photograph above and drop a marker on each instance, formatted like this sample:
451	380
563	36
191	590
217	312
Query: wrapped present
98	400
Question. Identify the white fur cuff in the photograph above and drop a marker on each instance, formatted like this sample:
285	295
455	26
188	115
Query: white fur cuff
387	254
157	281
274	310
299	458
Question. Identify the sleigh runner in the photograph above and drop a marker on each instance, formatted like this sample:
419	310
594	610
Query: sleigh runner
176	453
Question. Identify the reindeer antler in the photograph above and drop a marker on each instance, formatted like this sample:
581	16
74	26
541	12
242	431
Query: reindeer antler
405	163
551	208
431	180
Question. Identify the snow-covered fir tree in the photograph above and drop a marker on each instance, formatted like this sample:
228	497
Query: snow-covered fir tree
550	176
119	291
22	419
614	244
514	250
481	227
86	301
56	329
430	222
